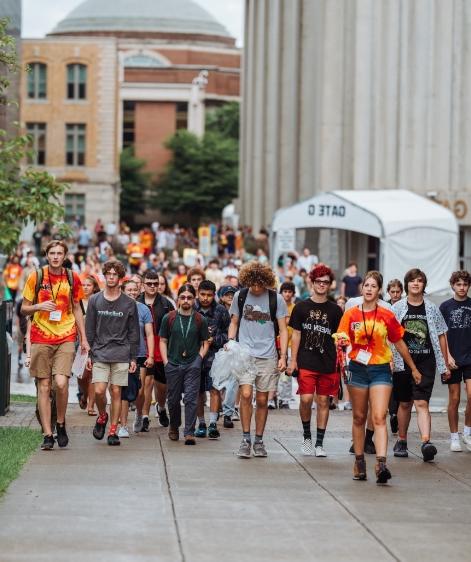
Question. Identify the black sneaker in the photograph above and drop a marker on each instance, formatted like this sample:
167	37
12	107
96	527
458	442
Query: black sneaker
283	405
393	423
113	440
100	426
62	437
428	451
370	448
48	443
213	432
228	423
163	418
145	425
332	404
351	450
400	449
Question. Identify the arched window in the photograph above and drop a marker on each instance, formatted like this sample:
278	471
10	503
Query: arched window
37	81
76	81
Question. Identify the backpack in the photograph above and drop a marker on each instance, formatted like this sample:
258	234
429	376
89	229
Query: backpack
272	302
70	280
172	316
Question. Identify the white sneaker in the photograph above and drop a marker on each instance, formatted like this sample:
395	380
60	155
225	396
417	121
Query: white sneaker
319	451
467	440
455	446
347	405
156	410
137	426
236	415
123	431
306	447
271	405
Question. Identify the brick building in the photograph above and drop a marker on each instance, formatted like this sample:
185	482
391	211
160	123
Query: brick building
116	73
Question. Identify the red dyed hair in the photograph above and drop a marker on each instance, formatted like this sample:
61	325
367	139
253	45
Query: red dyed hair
319	271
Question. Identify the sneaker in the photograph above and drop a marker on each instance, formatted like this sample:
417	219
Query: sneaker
190	440
351	450
428	451
332	404
48	443
271	405
163	418
113	440
137	425
244	449
213	432
370	448
201	431
283	405
467	441
393	423
228	422
123	432
400	449
382	473
156	410
319	451
259	449
236	415
359	469
347	405
100	426
145	424
306	447
455	446
62	437
173	434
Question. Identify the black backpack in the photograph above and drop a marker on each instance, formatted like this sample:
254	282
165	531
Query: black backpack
272	302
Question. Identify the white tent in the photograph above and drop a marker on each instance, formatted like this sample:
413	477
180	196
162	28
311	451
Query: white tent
413	231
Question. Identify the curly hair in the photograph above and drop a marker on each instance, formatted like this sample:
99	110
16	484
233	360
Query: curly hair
256	273
461	275
319	271
116	265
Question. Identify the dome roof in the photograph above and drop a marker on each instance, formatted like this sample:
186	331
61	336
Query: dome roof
140	16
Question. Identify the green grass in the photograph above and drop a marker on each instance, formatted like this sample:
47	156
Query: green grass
22	398
16	445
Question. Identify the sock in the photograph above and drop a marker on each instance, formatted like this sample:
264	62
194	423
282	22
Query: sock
258	438
213	417
467	430
246	436
369	435
381	459
201	420
320	437
113	429
455	436
307	429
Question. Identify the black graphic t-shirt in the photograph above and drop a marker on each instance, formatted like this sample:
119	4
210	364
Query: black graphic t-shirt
316	322
457	316
417	337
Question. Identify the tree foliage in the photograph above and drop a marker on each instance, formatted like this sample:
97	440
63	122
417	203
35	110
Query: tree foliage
135	184
225	120
25	195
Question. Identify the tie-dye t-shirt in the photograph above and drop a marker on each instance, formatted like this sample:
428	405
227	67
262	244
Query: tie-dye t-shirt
386	328
57	289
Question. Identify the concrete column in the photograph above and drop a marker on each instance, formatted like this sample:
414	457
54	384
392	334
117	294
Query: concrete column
196	109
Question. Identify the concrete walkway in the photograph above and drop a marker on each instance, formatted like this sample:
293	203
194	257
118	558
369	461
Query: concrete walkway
152	499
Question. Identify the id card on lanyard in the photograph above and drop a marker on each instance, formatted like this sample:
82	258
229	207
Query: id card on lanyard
364	355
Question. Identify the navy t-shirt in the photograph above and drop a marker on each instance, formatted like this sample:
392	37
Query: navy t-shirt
457	316
352	285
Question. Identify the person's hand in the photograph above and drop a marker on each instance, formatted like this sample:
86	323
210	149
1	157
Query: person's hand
27	361
84	347
452	363
282	364
446	375
48	306
416	376
89	364
149	362
293	365
210	340
132	366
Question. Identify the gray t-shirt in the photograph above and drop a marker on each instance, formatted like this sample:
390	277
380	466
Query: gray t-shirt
257	333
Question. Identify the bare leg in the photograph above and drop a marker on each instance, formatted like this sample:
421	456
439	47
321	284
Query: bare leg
44	404
115	392
454	394
214	401
100	396
322	411
305	407
62	396
359	398
467	415
246	392
379	399
124	412
148	387
261	413
403	418
424	421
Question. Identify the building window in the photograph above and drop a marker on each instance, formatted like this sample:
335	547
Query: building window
182	115
74	208
76	81
37	132
129	122
75	145
37	81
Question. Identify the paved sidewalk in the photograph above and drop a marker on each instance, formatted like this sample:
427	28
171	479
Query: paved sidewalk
152	499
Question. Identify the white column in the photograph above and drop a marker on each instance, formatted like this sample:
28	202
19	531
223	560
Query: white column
196	110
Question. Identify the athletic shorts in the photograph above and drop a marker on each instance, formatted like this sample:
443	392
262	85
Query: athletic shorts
50	360
158	372
459	375
265	377
366	376
206	382
131	391
114	373
313	382
405	389
140	363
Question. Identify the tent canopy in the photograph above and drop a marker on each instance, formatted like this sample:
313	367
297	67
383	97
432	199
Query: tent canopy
413	230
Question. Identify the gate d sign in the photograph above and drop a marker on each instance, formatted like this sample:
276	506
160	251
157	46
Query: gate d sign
286	239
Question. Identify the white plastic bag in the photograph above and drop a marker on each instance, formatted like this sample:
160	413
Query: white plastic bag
230	364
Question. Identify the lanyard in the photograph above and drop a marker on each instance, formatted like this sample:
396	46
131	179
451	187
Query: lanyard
54	297
370	336
185	334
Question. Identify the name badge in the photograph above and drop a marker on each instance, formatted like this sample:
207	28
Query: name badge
55	315
363	357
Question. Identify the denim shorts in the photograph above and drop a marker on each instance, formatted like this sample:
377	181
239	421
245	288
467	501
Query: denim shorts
365	376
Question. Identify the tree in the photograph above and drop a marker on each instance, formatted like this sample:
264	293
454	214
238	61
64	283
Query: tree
135	184
25	195
225	120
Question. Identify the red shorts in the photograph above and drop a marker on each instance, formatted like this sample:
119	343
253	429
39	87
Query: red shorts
312	382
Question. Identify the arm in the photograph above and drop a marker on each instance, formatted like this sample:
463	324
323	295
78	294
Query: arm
28	343
204	348
78	314
232	332
342	289
28	308
220	337
149	331
404	352
445	352
90	329
283	343
295	341
163	349
134	337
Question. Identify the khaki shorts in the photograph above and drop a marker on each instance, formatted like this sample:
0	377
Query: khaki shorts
51	360
114	373
266	378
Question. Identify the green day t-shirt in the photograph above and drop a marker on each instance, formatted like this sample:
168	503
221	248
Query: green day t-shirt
257	332
184	339
416	336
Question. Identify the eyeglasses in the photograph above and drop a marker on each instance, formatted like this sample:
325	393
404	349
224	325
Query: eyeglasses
182	298
321	282
149	284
